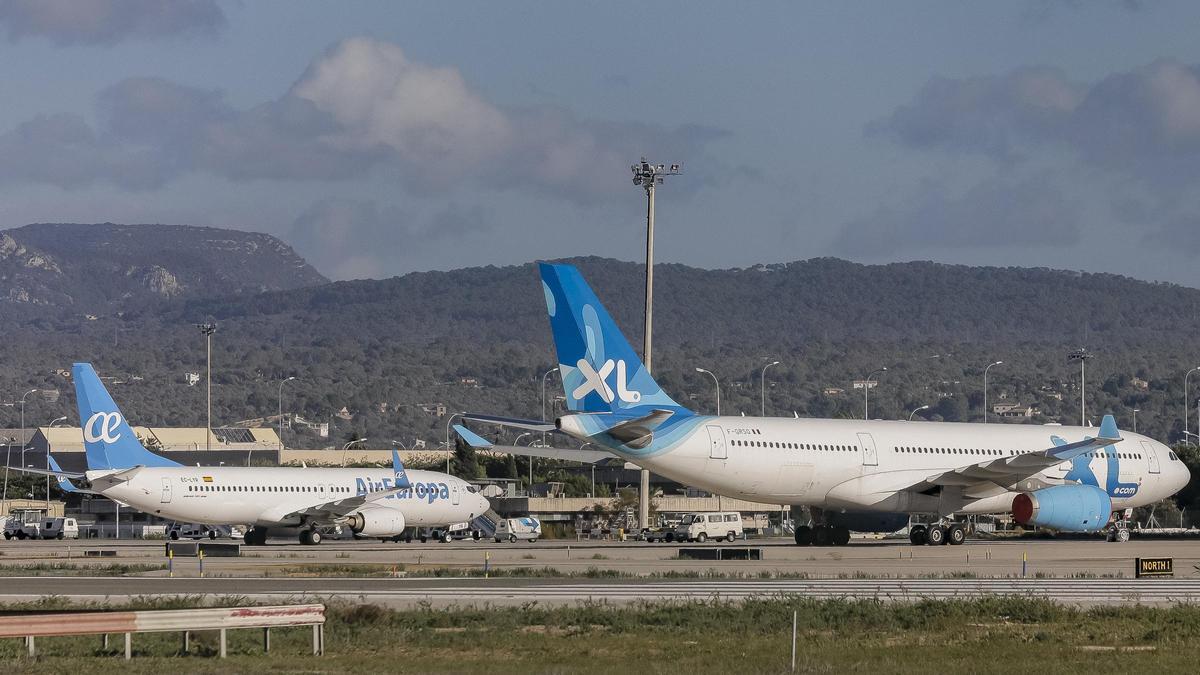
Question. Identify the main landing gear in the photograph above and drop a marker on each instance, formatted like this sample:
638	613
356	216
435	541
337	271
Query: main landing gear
257	536
937	534
311	537
822	535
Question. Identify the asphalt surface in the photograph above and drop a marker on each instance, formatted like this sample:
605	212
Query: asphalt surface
1082	571
403	593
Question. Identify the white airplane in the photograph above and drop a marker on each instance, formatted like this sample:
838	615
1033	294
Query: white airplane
374	503
857	475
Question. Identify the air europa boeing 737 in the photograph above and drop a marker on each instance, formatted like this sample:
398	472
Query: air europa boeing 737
855	475
372	502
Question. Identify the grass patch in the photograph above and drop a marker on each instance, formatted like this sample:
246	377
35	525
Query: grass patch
992	635
62	569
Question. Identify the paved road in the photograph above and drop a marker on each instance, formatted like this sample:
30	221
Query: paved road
443	593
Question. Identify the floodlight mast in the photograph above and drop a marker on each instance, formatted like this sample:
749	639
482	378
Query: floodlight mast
649	175
207	329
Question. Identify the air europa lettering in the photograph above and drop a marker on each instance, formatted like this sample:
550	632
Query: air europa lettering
429	492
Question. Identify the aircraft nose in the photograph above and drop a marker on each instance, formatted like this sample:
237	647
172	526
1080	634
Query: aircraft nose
1183	475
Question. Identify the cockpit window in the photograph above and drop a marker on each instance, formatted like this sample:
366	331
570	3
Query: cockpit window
1171	454
472	489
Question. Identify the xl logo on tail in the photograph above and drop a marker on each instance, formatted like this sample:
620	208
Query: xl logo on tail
108	424
594	380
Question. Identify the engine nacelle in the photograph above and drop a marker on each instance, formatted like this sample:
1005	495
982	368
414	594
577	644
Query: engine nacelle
1073	508
376	522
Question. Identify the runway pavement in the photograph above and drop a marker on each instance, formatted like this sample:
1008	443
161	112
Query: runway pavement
403	593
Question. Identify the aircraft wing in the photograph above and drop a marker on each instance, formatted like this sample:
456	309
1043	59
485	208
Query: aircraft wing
984	478
335	509
581	455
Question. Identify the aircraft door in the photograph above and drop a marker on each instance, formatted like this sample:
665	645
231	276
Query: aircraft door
166	491
869	456
1151	456
455	494
716	443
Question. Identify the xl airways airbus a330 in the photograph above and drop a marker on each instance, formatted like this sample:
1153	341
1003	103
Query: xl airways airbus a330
856	475
377	503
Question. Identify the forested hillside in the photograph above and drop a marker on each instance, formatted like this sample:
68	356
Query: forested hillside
478	339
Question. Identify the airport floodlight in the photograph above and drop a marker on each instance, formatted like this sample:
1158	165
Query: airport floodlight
647	176
1082	355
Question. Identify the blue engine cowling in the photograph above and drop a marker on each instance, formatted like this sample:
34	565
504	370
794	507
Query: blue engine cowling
1073	508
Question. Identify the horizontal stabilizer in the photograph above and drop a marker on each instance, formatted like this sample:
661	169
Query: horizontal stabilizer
473	439
531	425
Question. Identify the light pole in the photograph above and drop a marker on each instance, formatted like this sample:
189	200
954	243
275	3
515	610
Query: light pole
718	385
449	448
1135	412
207	329
280	417
867	389
985	372
916	410
648	176
52	423
763	383
544	376
1082	355
1186	402
347	447
24	438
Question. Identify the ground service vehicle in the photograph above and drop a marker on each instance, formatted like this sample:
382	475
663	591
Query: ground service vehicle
701	527
60	528
512	529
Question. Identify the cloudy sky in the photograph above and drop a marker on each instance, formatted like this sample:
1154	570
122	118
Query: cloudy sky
380	137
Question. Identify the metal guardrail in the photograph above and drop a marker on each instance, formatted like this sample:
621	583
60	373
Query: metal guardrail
186	621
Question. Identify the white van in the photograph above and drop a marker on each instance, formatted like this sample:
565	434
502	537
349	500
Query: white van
701	527
512	529
60	528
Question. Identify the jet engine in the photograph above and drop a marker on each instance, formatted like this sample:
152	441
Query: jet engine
376	522
1073	508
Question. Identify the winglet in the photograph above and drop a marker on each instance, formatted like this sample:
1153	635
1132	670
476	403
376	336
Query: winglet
473	439
401	475
1108	429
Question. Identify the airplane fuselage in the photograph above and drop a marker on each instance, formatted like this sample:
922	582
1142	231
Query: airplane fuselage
856	464
268	497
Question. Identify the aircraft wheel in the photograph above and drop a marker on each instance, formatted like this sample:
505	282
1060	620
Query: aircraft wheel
956	535
21	534
670	537
446	538
314	537
804	535
175	535
840	536
936	536
212	534
918	535
1122	535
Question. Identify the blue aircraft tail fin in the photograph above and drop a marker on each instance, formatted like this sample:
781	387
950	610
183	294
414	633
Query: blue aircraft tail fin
600	371
398	467
108	439
63	483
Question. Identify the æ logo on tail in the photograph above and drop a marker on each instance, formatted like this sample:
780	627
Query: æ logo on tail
595	380
109	422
